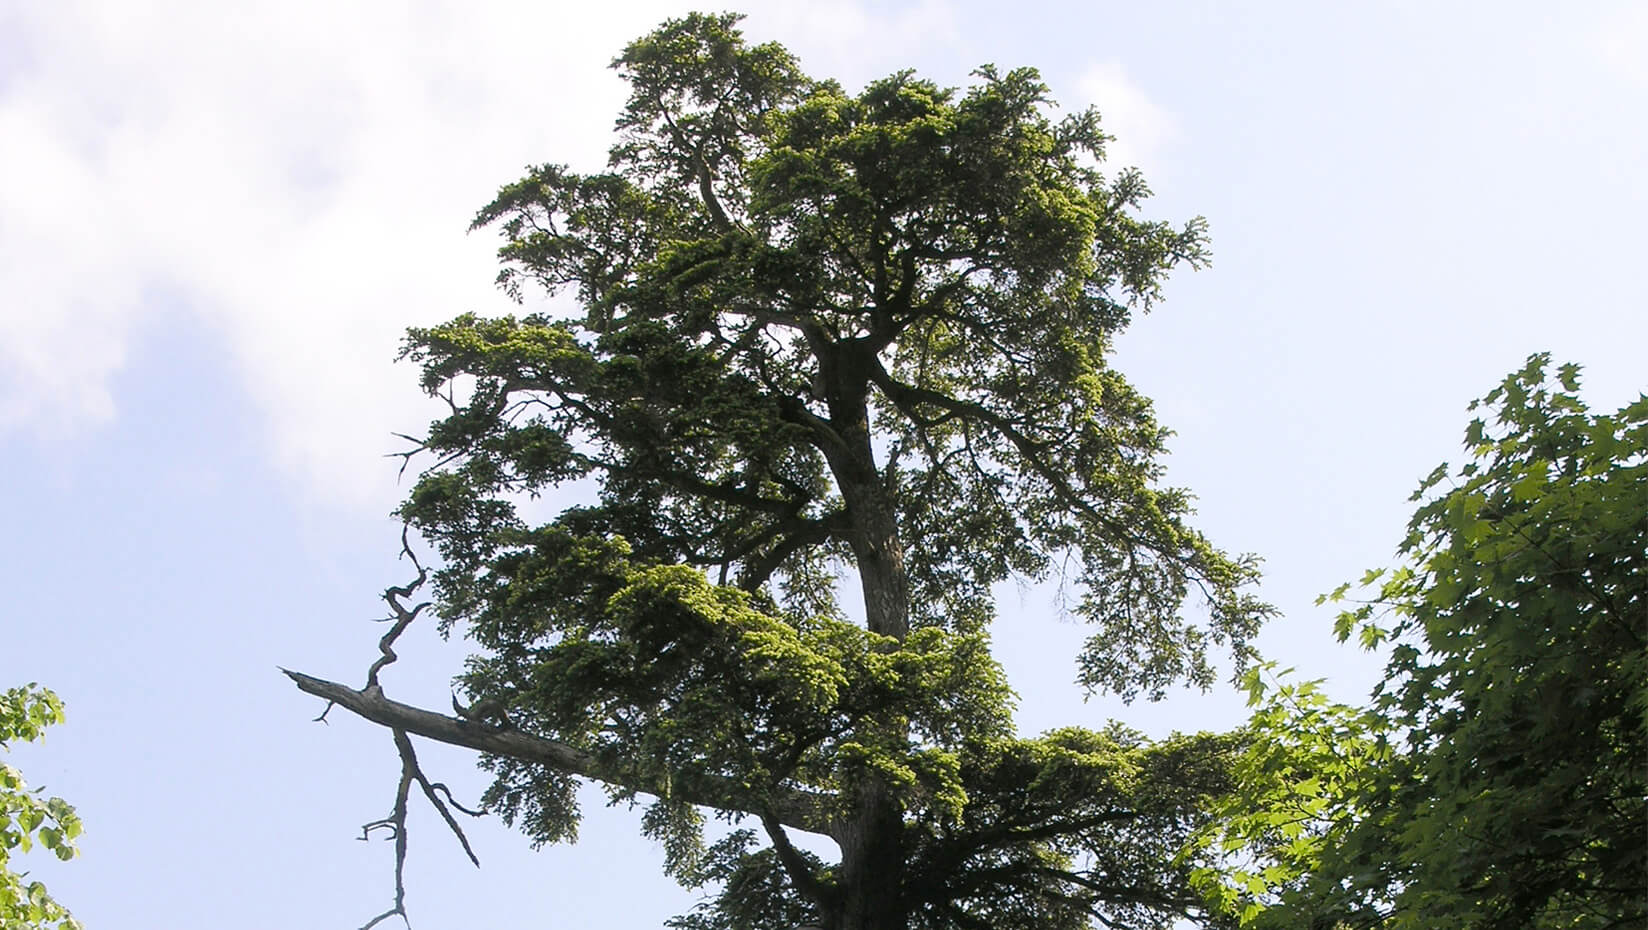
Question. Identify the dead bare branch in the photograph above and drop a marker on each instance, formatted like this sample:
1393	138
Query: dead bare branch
394	596
807	811
473	729
396	824
409	763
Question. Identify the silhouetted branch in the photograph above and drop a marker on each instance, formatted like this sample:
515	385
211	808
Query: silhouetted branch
394	596
396	824
402	616
409	763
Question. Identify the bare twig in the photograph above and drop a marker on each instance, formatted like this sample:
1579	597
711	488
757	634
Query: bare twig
418	447
475	729
402	616
443	789
394	596
409	763
395	823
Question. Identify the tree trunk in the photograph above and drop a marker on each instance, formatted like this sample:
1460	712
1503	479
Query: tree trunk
844	372
872	865
880	558
872	840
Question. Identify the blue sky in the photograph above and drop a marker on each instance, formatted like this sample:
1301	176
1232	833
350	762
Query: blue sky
215	220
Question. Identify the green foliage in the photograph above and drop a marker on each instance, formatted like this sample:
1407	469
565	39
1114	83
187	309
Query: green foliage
955	262
1500	776
27	819
671	677
1071	824
830	335
1307	762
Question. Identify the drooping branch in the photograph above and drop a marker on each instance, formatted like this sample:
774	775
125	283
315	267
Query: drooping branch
395	823
409	760
805	811
801	872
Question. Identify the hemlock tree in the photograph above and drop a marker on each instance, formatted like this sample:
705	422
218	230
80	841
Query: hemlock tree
1499	779
27	819
837	351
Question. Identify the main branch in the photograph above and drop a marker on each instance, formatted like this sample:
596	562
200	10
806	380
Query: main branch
805	811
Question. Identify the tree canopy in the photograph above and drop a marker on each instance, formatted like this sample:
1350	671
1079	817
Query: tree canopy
1499	777
840	367
27	819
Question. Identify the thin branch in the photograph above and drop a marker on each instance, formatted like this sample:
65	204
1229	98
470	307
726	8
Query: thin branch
399	613
395	823
409	763
907	397
1002	835
418	447
804	533
402	617
443	789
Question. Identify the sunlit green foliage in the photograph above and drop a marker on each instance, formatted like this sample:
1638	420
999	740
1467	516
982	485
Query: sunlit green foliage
27	819
1499	779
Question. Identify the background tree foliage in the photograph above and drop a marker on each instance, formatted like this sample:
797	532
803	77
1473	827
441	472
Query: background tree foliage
834	347
1500	776
27	819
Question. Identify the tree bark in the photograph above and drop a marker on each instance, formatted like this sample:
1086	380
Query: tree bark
844	374
872	864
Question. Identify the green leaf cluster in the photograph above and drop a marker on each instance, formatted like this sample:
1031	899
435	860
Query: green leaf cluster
672	678
27	819
1499	777
1305	765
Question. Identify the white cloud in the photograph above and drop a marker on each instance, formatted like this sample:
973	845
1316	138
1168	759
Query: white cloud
58	343
1143	130
857	43
1623	43
299	175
